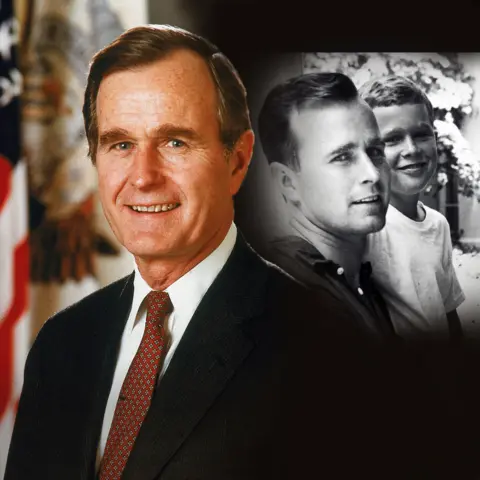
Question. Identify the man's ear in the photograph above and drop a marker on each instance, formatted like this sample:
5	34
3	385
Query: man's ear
239	160
286	180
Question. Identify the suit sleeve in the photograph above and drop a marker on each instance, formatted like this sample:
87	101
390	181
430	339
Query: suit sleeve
27	430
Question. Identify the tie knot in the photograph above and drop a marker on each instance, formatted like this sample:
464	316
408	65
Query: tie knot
159	304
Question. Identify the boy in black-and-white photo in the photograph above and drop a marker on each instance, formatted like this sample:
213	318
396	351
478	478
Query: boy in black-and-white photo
412	256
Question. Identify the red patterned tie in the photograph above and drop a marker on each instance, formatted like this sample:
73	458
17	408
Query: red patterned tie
137	389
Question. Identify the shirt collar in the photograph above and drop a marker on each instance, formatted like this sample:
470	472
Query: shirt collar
187	292
307	254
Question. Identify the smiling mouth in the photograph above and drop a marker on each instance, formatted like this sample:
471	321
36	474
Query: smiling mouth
370	199
156	208
413	167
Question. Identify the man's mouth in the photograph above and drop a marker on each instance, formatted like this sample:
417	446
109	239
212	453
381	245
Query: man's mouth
413	167
370	199
156	208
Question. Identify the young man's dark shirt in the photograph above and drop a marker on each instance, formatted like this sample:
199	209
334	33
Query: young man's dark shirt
305	263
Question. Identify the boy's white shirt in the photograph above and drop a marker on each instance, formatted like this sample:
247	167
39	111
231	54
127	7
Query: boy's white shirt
413	269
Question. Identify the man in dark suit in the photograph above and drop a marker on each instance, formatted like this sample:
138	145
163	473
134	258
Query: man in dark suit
182	369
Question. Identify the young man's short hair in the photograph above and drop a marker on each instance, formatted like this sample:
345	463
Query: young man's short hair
394	90
304	91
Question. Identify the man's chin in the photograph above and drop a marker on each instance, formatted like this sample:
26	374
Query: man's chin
148	250
371	225
412	186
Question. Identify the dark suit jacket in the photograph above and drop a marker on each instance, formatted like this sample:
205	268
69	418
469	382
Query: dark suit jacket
268	382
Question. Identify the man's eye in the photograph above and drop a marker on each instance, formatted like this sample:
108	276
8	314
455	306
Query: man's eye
343	157
175	143
122	146
394	139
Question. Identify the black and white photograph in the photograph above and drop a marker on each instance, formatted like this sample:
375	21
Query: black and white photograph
420	227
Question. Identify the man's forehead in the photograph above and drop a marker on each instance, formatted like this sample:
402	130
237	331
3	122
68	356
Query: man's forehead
328	112
394	115
155	90
334	122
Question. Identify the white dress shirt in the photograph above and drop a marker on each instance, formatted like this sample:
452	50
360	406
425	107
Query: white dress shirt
185	294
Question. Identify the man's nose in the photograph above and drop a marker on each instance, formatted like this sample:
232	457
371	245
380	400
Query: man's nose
146	168
369	172
410	147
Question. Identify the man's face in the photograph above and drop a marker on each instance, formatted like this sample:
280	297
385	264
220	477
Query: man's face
343	180
165	183
410	146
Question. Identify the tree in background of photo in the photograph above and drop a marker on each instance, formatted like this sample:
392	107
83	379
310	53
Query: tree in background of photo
443	78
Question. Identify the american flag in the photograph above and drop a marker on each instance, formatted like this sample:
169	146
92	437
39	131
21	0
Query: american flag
14	255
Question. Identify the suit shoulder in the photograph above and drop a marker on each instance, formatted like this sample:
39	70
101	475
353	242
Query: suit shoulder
82	309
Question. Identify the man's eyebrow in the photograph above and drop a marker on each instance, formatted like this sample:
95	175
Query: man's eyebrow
394	131
344	149
111	136
401	131
171	130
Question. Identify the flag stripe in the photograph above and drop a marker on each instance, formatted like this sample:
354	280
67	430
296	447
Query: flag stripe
7	327
15	274
5	179
13	229
6	260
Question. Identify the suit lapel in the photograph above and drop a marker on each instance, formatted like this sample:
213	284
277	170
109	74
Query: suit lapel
219	337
